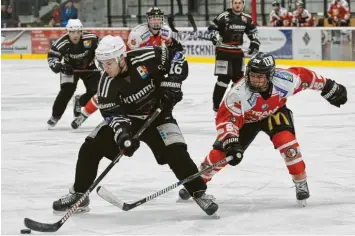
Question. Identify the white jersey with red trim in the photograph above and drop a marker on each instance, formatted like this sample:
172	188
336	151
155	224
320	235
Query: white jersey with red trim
243	106
141	36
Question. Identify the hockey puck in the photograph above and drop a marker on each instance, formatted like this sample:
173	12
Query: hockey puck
25	231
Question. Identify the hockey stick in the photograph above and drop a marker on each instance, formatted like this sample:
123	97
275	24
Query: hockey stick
108	196
190	18
43	227
86	70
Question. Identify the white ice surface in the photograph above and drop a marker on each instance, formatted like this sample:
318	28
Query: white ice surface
256	197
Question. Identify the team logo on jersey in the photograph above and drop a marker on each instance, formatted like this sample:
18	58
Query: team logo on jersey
281	91
265	106
164	32
133	42
146	35
304	85
142	70
244	19
284	75
252	99
87	43
291	152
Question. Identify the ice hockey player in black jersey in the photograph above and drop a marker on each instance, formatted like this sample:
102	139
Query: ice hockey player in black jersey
134	85
77	48
227	31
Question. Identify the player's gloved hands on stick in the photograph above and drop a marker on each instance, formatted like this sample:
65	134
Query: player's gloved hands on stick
170	93
66	69
233	148
127	144
253	48
334	93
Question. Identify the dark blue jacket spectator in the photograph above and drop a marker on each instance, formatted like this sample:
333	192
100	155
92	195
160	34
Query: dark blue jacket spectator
69	12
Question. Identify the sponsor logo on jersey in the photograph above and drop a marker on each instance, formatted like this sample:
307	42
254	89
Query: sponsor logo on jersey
146	35
284	75
252	99
141	94
107	105
281	91
237	27
277	120
164	32
177	56
142	70
79	56
87	43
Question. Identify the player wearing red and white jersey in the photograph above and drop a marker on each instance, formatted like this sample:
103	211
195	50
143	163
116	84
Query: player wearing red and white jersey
339	13
152	33
279	16
301	16
258	103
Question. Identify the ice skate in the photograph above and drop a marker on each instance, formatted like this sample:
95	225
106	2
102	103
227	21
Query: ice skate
206	203
302	192
52	122
66	202
77	122
77	107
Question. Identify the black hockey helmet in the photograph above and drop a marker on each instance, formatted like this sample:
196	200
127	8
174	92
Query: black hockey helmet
261	63
155	18
275	3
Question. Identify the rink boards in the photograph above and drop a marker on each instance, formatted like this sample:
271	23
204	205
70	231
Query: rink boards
317	46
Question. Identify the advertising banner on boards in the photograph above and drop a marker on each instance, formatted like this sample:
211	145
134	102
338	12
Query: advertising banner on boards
15	42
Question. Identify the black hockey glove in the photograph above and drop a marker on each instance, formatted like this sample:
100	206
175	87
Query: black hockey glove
334	93
175	46
121	127
233	148
127	144
214	36
170	93
67	69
57	67
253	48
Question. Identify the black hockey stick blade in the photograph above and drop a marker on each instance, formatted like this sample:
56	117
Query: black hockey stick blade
42	227
172	23
111	198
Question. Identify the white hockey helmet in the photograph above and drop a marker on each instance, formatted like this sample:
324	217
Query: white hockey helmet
110	47
74	24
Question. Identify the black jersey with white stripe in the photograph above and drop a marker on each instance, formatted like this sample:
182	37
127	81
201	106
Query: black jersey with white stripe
136	92
231	28
80	56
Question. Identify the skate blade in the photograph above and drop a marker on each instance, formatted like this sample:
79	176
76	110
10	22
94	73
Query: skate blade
214	216
179	200
79	211
302	203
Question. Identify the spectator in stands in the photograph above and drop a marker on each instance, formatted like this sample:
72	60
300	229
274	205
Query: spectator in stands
12	20
56	15
339	14
301	16
38	22
3	16
69	12
279	16
52	23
